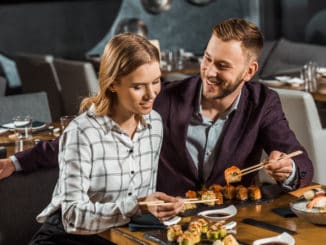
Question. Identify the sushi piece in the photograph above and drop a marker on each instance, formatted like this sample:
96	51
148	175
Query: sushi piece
254	193
204	225
191	194
173	232
219	197
208	195
216	188
241	193
187	238
229	192
232	175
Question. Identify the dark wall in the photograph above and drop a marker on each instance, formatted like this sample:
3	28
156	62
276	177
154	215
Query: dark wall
63	28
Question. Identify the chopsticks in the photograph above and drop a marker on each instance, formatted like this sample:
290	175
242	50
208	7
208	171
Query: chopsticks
262	163
186	201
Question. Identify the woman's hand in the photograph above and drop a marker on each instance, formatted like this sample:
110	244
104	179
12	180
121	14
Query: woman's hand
164	212
280	170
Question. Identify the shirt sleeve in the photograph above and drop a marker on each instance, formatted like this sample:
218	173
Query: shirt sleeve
81	215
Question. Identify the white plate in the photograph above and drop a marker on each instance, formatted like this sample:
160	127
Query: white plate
284	237
219	214
172	221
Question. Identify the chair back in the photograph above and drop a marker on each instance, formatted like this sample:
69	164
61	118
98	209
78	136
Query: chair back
78	80
38	74
302	114
3	85
33	104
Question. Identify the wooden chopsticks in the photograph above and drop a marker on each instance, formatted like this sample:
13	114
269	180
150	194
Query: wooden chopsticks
186	201
262	163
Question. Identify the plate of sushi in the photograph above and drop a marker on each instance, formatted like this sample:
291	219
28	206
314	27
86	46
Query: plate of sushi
311	206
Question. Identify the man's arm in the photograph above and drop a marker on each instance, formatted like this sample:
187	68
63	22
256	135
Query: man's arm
43	155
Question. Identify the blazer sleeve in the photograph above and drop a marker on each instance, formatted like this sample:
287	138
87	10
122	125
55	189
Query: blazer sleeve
277	135
43	155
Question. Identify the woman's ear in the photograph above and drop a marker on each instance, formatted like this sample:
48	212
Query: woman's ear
112	87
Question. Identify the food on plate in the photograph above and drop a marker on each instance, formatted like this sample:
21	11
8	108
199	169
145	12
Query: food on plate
318	202
187	238
216	232
204	225
254	193
229	240
173	232
219	197
216	188
229	192
191	194
311	194
232	174
241	193
208	195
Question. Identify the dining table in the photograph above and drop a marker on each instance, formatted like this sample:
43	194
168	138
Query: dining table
49	132
304	232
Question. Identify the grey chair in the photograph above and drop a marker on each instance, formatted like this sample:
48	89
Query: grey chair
78	80
38	74
34	104
3	84
301	111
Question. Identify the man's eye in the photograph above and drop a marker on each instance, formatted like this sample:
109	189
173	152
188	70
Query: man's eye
137	87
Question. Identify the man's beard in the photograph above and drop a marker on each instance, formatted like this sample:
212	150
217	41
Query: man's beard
225	90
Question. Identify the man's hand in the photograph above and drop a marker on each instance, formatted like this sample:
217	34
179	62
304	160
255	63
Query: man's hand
164	212
7	168
280	170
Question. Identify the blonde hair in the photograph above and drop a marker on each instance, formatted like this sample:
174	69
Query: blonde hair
241	30
123	54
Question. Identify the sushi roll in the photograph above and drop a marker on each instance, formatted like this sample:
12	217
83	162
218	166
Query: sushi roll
241	193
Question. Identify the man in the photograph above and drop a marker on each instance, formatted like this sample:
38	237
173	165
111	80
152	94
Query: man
215	120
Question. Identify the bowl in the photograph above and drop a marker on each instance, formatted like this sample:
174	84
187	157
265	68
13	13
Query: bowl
219	214
311	215
283	238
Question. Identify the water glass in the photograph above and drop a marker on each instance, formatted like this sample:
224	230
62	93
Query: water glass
309	76
65	120
23	126
22	144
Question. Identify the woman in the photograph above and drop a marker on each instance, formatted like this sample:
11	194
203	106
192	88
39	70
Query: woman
108	155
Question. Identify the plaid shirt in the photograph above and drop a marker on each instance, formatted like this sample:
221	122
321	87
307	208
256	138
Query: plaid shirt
103	172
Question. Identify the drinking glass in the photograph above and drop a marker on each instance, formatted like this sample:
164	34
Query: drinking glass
65	120
23	126
309	76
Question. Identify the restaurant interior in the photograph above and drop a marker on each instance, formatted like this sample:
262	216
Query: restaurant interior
49	60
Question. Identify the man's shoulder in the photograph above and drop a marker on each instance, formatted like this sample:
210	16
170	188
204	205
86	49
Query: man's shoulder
258	92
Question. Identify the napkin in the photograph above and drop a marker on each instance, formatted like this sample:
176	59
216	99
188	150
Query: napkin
144	222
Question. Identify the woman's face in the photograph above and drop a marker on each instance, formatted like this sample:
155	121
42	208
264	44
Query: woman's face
137	91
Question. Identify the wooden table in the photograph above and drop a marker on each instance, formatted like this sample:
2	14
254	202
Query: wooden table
306	233
7	139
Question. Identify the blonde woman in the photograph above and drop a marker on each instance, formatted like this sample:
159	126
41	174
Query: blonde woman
108	155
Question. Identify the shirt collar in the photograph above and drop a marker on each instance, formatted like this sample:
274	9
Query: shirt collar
107	124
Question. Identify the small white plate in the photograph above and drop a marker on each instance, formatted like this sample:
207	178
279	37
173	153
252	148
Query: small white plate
172	221
219	214
284	237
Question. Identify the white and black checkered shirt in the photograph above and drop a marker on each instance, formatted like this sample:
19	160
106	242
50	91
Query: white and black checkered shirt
103	171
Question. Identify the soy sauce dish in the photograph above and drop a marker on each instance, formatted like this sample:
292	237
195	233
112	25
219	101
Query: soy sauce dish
282	239
219	214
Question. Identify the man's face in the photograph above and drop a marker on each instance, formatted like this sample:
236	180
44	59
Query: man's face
225	68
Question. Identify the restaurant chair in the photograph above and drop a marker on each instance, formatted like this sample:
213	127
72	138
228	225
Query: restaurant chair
78	80
301	112
34	104
37	73
3	85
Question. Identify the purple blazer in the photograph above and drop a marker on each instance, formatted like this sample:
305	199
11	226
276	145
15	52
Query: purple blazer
258	123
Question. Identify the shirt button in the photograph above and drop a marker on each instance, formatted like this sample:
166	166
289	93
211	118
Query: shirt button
132	172
131	150
129	194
